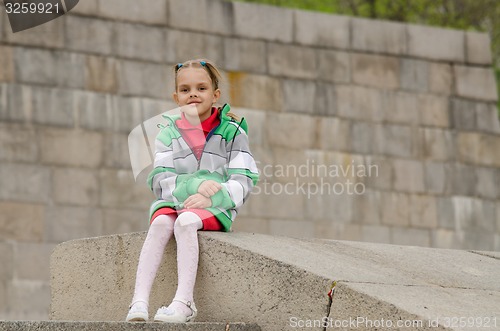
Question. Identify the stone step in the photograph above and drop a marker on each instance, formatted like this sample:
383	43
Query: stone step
282	283
121	326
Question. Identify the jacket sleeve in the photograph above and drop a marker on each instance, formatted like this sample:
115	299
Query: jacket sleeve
242	174
163	180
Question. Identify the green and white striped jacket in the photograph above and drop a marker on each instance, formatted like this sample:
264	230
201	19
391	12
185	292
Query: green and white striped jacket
226	159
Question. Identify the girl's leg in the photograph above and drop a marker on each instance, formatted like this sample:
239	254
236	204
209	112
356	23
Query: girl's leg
186	234
159	234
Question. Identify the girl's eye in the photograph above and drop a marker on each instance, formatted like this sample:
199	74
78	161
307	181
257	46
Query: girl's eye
202	88
183	90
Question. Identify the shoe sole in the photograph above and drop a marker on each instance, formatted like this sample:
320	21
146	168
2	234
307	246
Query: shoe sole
169	319
136	318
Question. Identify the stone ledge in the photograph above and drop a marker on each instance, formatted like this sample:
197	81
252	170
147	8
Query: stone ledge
277	281
121	326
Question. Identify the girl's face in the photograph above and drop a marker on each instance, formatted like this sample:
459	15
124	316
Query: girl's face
195	93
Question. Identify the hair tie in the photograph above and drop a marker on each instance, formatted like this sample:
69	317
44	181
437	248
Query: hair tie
203	63
179	65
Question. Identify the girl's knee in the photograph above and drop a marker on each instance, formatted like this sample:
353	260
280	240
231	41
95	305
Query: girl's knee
163	221
188	221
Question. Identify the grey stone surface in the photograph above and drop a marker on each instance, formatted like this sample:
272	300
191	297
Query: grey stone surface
478	48
375	70
16	143
24	182
436	44
79	148
440	78
433	110
325	102
487	183
475	83
152	12
49	67
292	61
423	213
64	223
101	74
378	36
6	63
439	145
439	282
25	226
263	22
211	16
400	108
279	125
199	46
75	186
487	118
358	102
414	75
435	177
364	137
413	237
299	95
121	326
244	86
245	55
395	209
334	66
408	176
463	114
39	255
397	140
461	179
141	78
135	41
381	176
20	292
367	209
134	195
89	34
16	103
89	7
335	134
318	29
53	106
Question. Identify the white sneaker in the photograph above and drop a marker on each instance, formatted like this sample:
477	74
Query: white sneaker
138	312
170	315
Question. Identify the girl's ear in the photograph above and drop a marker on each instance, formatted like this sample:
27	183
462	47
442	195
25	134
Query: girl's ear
216	95
176	97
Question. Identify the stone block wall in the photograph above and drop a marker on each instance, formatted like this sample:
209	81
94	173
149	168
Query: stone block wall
364	130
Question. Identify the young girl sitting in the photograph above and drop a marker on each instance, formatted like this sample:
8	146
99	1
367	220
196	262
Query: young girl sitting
203	173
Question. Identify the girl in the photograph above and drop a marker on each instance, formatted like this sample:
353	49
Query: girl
203	173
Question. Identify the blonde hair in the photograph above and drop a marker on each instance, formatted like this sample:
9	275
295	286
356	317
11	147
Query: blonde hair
209	67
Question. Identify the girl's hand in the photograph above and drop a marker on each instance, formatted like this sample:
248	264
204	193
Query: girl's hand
197	201
209	187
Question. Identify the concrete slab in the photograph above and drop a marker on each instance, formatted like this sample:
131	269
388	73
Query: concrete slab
282	283
121	326
495	255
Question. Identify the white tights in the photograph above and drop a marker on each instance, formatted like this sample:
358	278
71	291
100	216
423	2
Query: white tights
185	229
